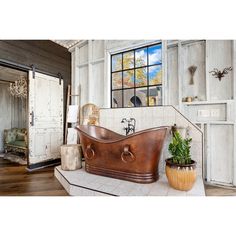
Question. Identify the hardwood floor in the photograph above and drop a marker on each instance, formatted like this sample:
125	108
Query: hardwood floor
15	180
219	191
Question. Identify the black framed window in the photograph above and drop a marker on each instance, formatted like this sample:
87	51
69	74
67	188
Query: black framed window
136	77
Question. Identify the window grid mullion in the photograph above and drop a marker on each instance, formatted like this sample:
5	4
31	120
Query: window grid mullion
147	79
134	81
122	92
148	86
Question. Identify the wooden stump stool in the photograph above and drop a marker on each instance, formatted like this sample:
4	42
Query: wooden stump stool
71	157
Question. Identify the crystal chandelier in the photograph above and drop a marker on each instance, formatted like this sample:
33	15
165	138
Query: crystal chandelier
19	88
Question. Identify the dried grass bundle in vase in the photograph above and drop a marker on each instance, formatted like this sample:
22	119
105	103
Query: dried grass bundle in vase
192	70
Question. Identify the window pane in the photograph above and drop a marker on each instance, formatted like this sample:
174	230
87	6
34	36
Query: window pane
155	96
128	98
128	79
117	98
117	62
155	75
117	80
137	77
141	77
141	97
154	54
141	57
128	60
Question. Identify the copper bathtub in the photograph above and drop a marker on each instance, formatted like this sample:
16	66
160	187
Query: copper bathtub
134	157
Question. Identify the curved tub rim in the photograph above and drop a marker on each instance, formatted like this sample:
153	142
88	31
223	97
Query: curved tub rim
122	137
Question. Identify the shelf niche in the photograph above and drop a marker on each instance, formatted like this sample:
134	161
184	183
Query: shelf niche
219	56
194	55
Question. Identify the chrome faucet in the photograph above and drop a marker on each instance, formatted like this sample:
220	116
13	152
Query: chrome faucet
129	125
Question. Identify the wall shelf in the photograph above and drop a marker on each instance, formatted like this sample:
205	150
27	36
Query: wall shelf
214	122
206	102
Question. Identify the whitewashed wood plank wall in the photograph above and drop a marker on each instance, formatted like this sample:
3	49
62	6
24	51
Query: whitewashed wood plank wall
91	69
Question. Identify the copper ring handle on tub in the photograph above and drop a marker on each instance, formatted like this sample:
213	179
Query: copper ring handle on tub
87	150
126	153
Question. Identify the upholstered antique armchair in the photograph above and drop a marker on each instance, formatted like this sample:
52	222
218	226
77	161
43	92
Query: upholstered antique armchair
15	140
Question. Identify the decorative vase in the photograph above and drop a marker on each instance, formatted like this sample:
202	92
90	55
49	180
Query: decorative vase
189	99
181	177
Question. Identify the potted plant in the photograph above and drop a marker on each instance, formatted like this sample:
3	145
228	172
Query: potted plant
180	168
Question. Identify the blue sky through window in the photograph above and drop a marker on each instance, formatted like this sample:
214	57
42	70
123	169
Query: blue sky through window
141	57
141	67
154	54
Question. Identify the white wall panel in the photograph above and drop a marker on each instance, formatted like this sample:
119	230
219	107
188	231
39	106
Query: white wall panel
83	54
97	83
172	75
222	153
194	54
219	55
83	81
97	49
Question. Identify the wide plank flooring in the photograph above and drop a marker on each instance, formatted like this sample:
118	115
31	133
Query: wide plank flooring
15	180
219	191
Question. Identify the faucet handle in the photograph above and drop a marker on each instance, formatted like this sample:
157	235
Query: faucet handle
123	120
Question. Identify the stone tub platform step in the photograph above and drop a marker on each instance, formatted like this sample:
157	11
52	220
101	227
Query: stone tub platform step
81	183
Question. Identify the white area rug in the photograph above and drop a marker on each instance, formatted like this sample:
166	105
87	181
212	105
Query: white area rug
14	158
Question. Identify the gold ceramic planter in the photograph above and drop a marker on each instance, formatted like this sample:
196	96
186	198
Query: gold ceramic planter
181	177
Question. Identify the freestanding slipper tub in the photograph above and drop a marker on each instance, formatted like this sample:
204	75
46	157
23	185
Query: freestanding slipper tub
134	157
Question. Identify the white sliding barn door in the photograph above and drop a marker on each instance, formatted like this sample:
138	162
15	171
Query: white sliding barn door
45	117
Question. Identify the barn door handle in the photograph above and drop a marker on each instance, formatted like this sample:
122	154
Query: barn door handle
127	155
89	152
32	118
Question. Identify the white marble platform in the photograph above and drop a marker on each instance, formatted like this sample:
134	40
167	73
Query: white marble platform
81	183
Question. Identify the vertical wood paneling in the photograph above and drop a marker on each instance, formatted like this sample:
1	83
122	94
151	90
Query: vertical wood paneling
12	111
98	84
97	49
194	54
83	54
5	111
220	56
221	141
83	82
172	75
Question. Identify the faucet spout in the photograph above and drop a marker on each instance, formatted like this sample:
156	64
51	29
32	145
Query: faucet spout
129	125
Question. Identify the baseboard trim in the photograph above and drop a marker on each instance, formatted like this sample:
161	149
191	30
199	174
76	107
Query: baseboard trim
40	165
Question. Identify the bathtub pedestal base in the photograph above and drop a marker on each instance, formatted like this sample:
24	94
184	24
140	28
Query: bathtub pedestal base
81	183
133	177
